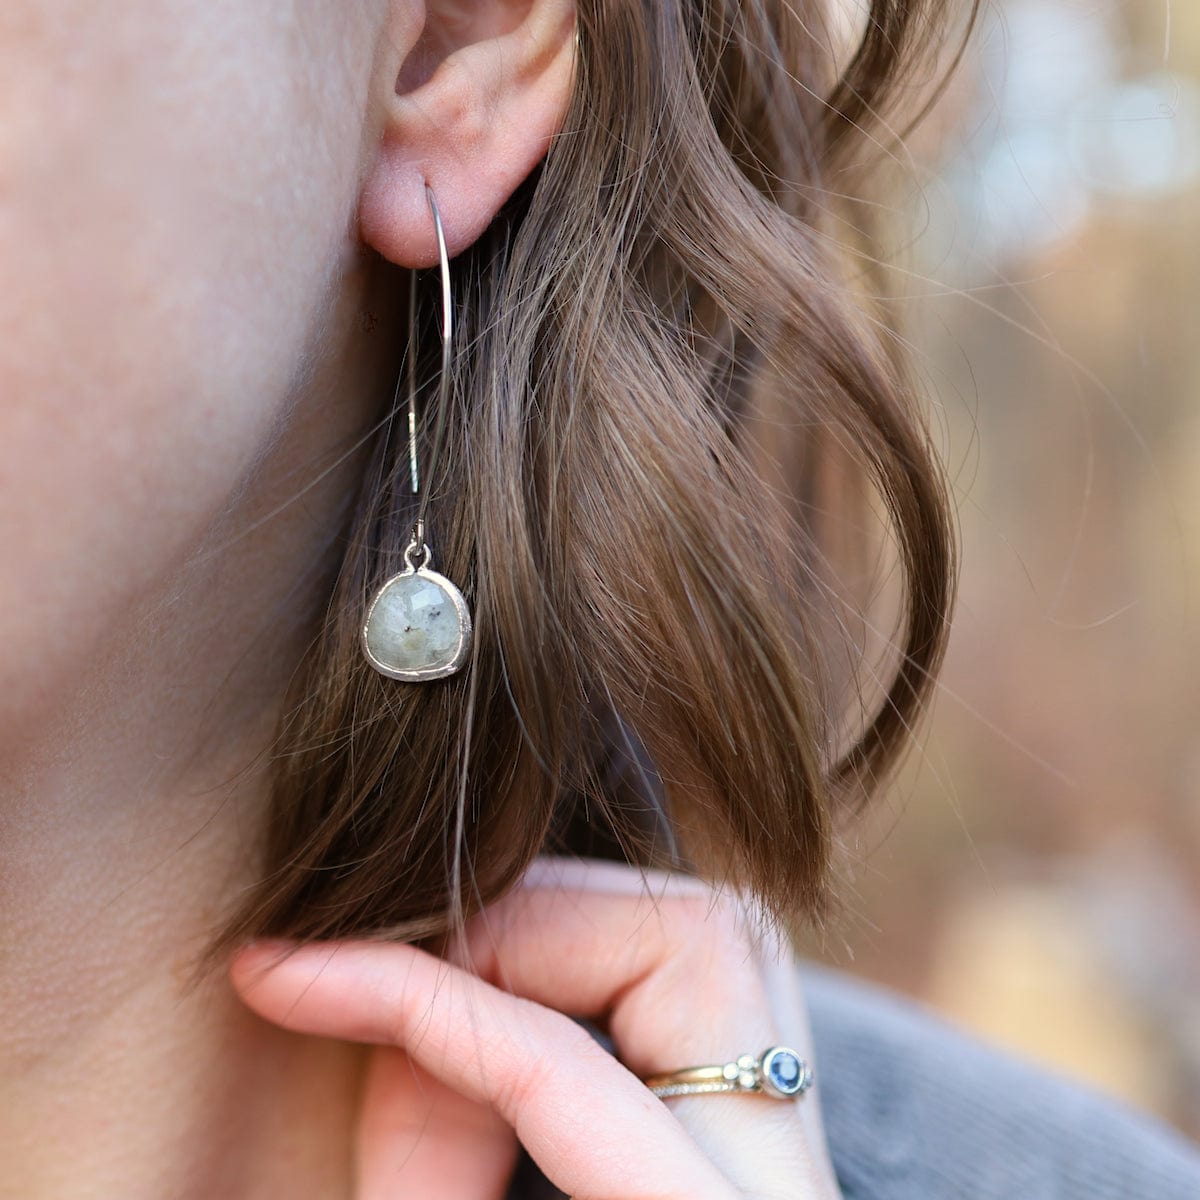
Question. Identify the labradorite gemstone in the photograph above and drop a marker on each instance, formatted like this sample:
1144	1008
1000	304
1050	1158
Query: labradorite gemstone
414	625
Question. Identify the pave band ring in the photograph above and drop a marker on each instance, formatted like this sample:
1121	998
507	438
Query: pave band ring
777	1072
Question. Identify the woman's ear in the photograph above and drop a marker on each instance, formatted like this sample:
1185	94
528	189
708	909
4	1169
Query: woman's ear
471	99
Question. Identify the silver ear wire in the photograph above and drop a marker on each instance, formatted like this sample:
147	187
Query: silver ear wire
447	335
418	625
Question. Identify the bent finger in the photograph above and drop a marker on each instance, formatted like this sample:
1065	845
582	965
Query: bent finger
676	971
681	976
593	1127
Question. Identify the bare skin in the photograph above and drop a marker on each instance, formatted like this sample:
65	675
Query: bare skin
476	1048
205	209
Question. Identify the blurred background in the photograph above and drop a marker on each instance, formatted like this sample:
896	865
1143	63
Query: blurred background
1035	872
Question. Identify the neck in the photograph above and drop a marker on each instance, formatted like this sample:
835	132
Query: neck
118	1078
129	819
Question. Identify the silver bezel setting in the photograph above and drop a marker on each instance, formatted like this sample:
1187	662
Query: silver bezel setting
421	674
769	1086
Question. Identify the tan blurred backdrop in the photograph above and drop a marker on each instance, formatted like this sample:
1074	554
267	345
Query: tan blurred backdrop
1035	873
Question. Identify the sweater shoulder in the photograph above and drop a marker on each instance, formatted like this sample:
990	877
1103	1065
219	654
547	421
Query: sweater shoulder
917	1110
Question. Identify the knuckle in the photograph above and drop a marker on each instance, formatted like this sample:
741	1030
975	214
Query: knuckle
516	1091
407	1015
713	920
533	1072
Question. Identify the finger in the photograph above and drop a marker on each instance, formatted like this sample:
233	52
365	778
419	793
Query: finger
593	1128
416	1136
784	987
680	976
585	938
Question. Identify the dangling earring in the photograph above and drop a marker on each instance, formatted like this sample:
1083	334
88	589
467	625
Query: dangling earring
418	625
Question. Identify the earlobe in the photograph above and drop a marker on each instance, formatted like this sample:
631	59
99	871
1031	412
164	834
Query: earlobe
474	126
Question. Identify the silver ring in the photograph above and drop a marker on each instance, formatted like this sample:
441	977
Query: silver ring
778	1072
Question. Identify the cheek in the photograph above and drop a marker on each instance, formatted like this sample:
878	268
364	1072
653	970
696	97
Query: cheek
177	183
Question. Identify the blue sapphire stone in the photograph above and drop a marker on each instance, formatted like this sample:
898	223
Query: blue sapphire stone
785	1071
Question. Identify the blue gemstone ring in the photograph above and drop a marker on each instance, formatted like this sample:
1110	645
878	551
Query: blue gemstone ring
777	1072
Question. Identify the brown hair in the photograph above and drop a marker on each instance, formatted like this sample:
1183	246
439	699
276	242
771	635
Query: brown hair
668	405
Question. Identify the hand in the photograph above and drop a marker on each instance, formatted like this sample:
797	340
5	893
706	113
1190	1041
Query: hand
475	1050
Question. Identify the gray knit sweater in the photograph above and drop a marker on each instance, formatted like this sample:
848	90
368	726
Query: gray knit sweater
915	1110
